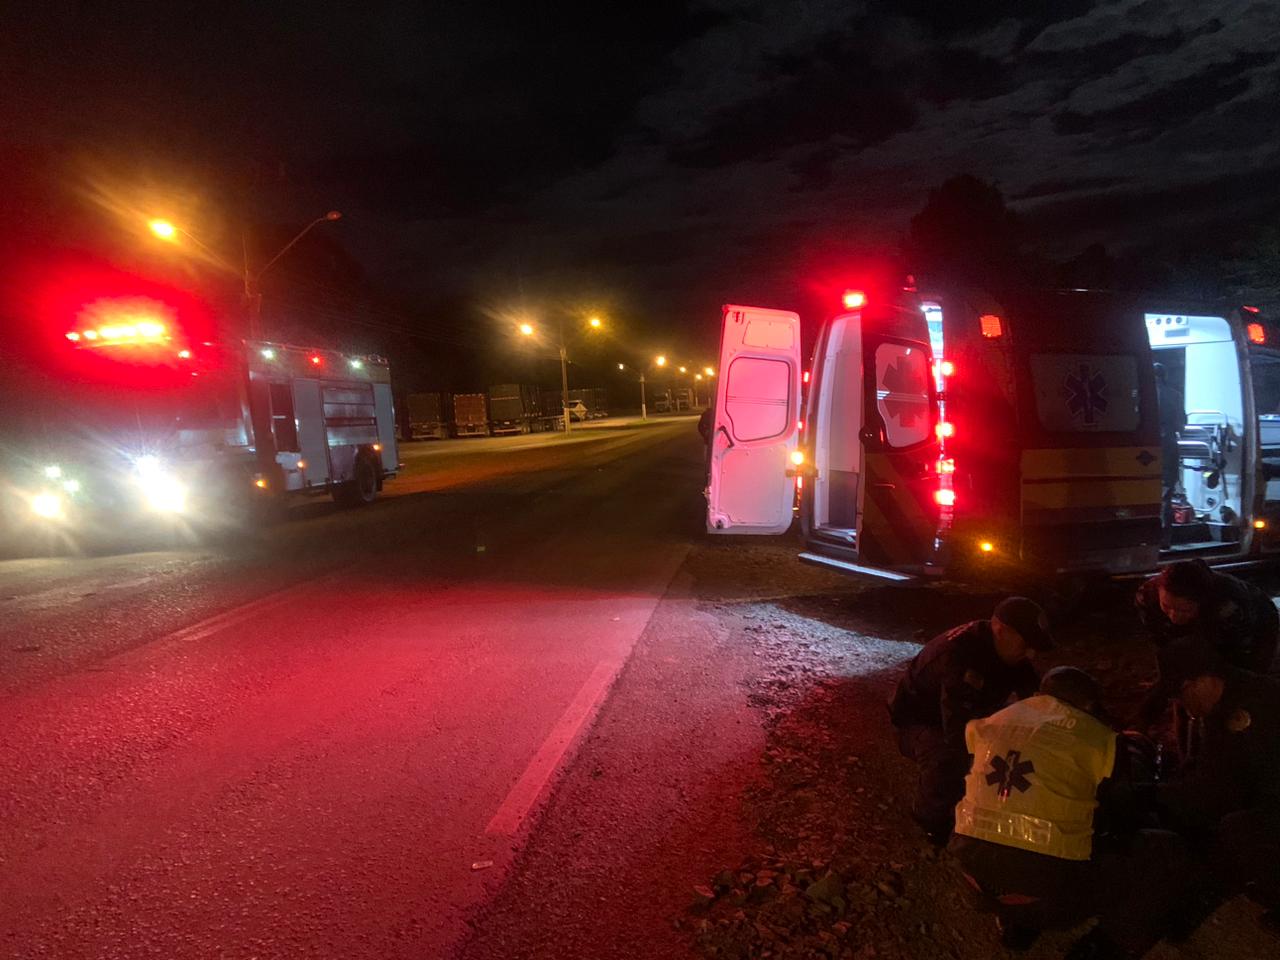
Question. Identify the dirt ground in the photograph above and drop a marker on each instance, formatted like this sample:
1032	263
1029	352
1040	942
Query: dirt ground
839	868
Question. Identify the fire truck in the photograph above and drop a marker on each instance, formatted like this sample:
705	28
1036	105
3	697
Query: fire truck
1038	436
143	425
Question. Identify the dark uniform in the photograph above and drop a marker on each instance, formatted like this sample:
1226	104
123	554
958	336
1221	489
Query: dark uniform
956	678
1230	794
1238	620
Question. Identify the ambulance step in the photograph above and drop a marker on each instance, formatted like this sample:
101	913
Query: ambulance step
845	566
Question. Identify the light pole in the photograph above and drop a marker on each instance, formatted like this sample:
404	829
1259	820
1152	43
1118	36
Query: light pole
527	329
167	231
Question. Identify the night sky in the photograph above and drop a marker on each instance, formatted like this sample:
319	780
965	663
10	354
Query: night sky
650	161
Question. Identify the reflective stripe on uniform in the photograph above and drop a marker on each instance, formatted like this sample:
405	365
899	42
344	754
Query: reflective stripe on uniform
1034	780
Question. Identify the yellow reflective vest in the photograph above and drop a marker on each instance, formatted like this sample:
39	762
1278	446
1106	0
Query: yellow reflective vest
1034	781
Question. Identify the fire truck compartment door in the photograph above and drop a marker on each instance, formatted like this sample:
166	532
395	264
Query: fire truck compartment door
757	404
309	411
386	413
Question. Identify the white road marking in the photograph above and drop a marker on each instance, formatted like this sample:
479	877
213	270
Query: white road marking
527	789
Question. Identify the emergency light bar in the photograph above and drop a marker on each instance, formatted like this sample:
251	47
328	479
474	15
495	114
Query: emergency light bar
121	322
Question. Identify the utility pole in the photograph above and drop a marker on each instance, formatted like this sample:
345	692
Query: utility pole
644	413
564	380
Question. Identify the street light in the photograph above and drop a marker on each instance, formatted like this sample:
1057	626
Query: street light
595	323
660	360
709	371
684	369
526	329
166	230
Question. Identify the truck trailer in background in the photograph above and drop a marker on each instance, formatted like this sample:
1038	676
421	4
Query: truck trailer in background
517	408
429	416
470	415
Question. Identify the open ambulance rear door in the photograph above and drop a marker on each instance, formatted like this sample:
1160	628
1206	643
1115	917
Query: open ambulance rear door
751	489
879	486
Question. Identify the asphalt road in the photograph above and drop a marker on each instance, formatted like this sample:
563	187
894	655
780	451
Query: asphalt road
331	738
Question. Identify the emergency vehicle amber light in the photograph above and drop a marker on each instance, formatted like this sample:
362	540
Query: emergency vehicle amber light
1257	333
1259	524
260	483
797	457
853	299
986	546
991	326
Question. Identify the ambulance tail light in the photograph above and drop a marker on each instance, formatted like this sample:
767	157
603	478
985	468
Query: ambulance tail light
1249	309
945	429
1257	333
992	326
946	368
805	378
946	466
945	497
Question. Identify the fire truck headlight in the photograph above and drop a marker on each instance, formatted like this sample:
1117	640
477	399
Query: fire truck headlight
53	471
47	505
165	493
72	486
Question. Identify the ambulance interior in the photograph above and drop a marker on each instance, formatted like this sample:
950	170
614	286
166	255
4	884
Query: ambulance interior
838	374
1202	419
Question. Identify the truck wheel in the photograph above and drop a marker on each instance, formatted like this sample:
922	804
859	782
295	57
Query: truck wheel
362	488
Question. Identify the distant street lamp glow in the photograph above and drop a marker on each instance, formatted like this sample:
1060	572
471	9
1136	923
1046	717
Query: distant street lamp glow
595	323
622	366
163	229
660	361
709	371
684	369
526	329
697	376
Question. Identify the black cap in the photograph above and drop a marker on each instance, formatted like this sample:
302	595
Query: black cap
1027	617
1188	658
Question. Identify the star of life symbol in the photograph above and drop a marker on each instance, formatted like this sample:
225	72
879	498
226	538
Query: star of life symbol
1010	773
1086	393
904	392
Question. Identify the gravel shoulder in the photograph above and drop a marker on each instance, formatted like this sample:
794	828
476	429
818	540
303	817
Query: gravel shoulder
742	795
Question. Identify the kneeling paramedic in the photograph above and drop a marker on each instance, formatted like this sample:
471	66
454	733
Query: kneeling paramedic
961	675
1228	798
1025	830
1187	601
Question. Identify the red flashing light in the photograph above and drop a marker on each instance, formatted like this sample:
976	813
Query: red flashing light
944	498
991	325
946	368
1257	333
853	299
316	359
1251	309
946	465
805	378
945	429
799	424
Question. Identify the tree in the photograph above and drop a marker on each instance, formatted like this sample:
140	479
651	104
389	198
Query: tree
965	232
1252	272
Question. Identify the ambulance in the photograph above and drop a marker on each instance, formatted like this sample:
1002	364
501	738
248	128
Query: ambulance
1043	435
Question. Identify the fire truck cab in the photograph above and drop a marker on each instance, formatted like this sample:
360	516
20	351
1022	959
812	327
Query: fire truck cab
948	434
